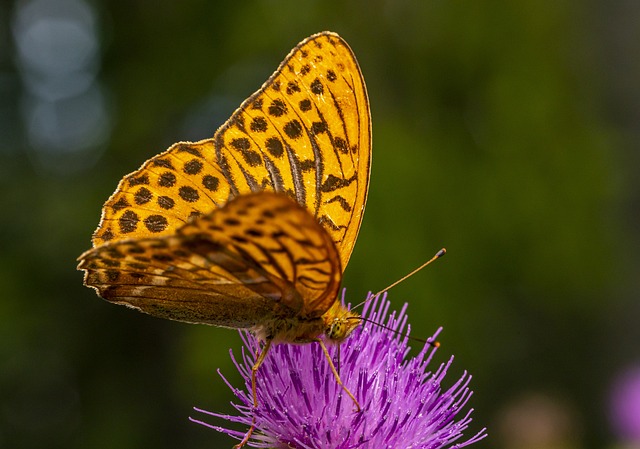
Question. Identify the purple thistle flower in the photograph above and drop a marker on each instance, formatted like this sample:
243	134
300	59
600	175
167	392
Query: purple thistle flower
625	405
300	404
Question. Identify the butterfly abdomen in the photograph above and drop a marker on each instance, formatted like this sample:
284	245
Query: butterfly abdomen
291	330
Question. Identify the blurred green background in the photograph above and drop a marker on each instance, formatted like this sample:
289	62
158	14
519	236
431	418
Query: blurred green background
506	131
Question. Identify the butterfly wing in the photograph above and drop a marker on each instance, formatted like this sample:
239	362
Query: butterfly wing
306	132
260	257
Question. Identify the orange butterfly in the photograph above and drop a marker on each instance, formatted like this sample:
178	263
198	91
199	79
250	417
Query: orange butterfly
197	234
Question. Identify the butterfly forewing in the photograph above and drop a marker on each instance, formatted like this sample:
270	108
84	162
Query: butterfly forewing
163	194
306	132
259	257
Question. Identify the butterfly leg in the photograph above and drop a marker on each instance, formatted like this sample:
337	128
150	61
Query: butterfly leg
335	373
254	371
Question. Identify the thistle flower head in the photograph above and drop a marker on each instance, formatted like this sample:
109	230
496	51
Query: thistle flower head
302	406
625	405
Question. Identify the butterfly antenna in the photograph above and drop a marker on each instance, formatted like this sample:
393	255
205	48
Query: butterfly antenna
432	342
438	255
429	341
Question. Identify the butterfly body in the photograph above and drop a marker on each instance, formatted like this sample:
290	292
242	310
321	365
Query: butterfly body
335	324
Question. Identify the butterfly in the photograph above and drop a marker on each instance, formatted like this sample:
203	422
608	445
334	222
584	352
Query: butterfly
252	228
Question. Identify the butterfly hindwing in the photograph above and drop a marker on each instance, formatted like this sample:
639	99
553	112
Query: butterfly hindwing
259	257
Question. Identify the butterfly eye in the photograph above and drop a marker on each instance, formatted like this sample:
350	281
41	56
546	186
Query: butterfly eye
336	331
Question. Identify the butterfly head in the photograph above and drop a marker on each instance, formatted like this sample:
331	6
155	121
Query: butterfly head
340	322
